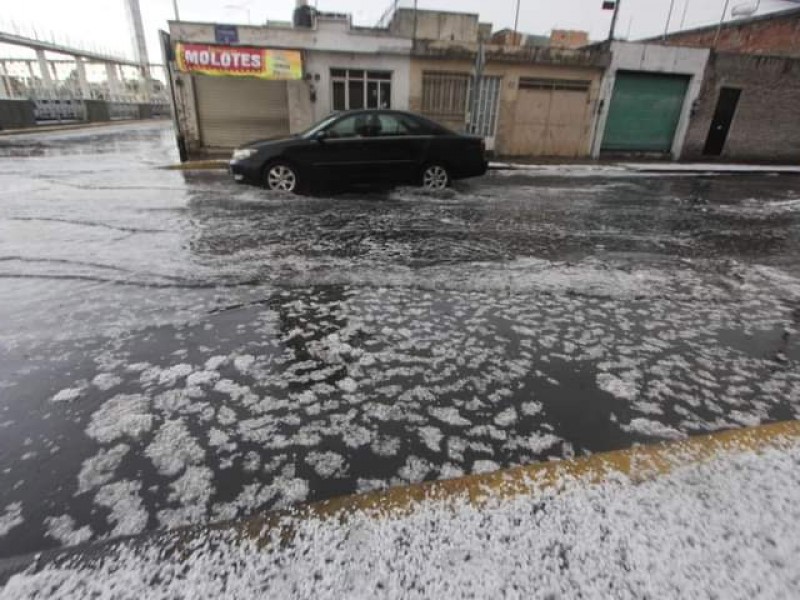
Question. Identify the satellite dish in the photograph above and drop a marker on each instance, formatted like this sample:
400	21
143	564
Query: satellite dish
745	10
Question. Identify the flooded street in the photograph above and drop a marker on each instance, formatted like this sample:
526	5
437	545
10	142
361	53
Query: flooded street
177	349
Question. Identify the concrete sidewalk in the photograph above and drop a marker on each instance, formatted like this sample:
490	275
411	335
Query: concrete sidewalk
601	169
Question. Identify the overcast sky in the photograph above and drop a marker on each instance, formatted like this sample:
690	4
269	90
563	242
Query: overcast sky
103	22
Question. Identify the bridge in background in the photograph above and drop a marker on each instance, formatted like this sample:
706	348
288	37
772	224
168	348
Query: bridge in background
77	84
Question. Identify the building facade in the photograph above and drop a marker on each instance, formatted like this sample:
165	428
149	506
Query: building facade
233	84
776	34
526	101
748	109
647	97
337	67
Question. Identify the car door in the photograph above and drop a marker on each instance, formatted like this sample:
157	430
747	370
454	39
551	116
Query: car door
340	155
395	144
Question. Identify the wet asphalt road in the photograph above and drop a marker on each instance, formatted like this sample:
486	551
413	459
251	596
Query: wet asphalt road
176	348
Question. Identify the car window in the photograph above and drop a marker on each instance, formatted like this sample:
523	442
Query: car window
358	125
392	125
350	126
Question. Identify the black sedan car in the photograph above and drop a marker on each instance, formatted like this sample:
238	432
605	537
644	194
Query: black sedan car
365	146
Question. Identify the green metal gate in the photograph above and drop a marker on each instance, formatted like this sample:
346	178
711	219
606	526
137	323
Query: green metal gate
644	113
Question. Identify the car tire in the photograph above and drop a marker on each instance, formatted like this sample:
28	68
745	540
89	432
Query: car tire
435	177
281	176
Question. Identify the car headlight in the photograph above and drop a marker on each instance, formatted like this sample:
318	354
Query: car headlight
243	153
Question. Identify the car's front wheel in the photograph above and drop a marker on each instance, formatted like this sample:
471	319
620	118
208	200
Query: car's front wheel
281	177
435	177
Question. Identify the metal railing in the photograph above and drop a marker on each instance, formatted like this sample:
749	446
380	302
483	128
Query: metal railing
388	14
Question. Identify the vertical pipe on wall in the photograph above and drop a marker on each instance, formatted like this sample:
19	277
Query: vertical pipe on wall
414	33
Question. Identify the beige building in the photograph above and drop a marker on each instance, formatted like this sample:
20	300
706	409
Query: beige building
530	101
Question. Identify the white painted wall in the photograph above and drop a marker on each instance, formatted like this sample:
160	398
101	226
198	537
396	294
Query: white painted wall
653	58
321	63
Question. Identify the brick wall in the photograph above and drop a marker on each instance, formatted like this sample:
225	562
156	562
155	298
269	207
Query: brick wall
766	124
774	35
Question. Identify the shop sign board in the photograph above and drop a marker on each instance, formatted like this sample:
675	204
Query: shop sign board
239	61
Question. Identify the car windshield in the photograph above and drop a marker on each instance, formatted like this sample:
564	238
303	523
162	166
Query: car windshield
320	125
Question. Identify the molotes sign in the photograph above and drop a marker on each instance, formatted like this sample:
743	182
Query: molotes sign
239	61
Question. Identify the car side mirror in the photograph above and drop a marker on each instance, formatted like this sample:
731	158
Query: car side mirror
321	136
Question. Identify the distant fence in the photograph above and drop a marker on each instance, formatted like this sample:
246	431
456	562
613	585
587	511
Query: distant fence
59	109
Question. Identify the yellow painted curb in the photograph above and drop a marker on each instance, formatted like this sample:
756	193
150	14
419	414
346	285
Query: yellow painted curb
198	165
639	464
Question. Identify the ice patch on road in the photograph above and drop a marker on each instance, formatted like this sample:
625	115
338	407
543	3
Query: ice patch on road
124	415
449	415
106	381
653	429
63	530
431	437
99	469
415	470
170	375
624	389
68	395
123	500
327	464
507	417
192	492
10	518
484	466
173	448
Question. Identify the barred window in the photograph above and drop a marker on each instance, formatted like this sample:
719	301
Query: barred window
445	94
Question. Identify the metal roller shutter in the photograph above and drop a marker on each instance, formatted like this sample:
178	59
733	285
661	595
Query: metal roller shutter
644	113
234	111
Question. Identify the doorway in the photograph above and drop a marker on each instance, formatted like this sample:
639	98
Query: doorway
721	123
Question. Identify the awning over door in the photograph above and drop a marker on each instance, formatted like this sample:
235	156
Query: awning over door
234	111
644	112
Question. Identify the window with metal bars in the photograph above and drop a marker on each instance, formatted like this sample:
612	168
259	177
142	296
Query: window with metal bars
445	95
533	83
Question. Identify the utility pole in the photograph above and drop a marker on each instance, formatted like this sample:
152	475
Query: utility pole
721	19
414	34
669	18
175	8
685	10
614	21
516	27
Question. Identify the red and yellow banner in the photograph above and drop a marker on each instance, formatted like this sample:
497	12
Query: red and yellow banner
239	61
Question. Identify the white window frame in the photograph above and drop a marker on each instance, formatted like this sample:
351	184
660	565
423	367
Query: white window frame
382	83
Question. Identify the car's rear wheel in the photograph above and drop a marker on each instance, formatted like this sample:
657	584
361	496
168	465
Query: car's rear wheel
435	177
281	177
